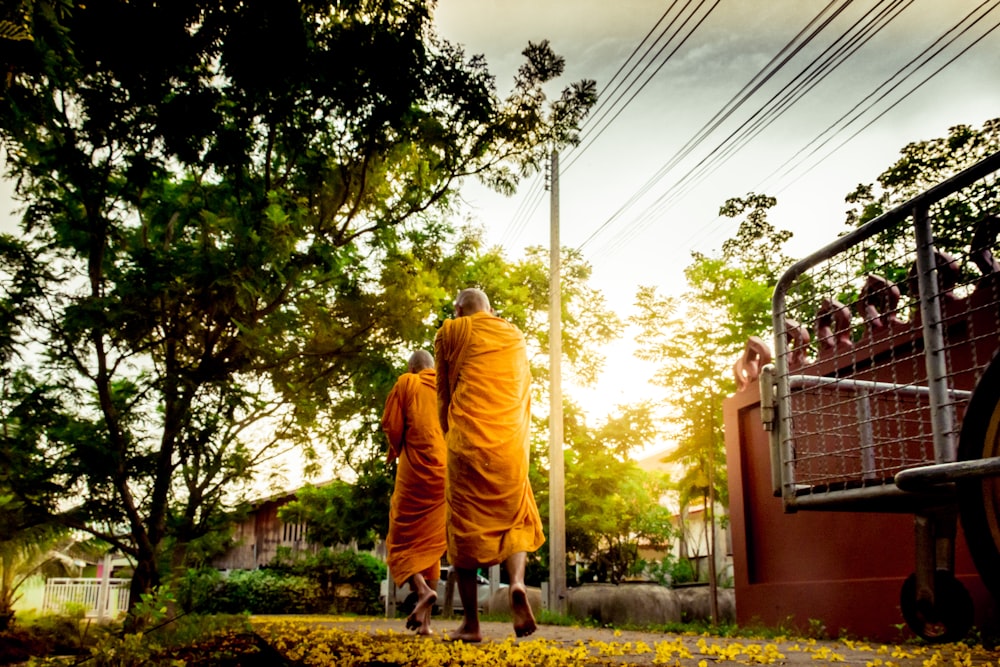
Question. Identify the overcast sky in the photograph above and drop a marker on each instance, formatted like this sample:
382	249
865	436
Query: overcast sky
733	43
649	241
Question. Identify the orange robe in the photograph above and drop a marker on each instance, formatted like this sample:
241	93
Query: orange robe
484	396
417	511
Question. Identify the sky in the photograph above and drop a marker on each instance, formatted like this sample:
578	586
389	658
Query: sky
640	193
660	153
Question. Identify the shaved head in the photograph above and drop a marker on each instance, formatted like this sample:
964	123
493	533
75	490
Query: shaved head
472	300
420	360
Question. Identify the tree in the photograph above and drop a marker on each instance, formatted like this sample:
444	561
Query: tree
47	549
922	165
356	506
612	505
213	202
694	338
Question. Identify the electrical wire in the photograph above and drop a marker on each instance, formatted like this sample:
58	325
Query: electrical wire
777	62
533	199
834	55
875	96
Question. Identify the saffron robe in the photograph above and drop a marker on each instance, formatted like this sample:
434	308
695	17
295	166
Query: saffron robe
417	511
484	401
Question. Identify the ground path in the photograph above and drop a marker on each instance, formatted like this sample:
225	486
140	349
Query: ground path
388	642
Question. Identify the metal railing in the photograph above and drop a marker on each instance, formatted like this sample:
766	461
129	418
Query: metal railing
100	598
880	338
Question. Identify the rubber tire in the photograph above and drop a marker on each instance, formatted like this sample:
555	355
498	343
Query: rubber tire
952	615
979	500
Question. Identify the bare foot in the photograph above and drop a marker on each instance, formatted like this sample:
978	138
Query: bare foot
462	634
524	619
420	618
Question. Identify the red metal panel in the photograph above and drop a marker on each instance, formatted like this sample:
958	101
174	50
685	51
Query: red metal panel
841	569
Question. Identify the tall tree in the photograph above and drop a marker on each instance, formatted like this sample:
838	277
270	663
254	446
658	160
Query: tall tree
613	506
694	338
212	200
922	165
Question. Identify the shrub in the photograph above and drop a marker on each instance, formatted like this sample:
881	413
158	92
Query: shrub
197	590
672	571
265	592
330	570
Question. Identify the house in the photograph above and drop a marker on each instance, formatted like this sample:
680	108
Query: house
258	536
695	530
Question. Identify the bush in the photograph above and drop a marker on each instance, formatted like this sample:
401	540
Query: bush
197	590
672	571
265	592
348	581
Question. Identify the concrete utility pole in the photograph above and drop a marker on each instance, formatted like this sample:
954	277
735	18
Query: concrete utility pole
557	495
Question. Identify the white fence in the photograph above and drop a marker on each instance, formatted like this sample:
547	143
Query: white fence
101	598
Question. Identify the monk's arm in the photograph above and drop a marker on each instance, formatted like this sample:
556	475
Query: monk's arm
443	388
393	423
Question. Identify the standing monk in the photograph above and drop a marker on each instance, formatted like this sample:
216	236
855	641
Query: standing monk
417	511
484	408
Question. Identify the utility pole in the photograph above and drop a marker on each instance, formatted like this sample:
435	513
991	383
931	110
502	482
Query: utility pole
557	495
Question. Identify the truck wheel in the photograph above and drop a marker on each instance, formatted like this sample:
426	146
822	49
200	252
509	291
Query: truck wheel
979	499
949	619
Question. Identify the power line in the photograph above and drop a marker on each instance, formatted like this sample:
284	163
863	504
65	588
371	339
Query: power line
877	95
531	201
834	55
816	25
594	137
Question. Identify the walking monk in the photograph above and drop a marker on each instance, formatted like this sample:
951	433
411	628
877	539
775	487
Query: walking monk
484	408
417	511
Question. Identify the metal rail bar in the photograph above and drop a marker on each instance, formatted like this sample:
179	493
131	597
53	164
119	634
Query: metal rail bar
925	477
943	413
806	381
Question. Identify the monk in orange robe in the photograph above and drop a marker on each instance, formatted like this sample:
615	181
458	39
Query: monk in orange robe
485	412
417	511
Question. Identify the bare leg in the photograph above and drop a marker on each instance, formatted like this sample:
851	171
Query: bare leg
524	618
420	618
468	630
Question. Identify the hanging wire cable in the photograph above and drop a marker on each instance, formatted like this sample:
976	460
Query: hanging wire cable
787	52
531	201
834	55
838	52
593	137
876	95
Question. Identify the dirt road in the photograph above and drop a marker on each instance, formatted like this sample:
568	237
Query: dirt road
601	646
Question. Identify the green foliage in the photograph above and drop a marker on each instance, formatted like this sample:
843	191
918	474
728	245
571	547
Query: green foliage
225	247
266	592
128	650
321	582
612	505
694	340
338	513
196	589
28	551
922	165
671	571
328	568
152	608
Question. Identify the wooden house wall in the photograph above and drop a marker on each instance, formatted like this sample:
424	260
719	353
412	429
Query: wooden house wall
257	538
